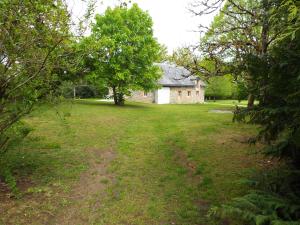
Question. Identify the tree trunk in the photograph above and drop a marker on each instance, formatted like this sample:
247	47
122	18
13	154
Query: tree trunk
115	95
251	100
118	97
74	92
121	100
264	45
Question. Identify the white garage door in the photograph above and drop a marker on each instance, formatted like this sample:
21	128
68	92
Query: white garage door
162	96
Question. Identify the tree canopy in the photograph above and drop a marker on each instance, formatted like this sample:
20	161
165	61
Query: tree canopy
240	28
258	42
122	51
34	37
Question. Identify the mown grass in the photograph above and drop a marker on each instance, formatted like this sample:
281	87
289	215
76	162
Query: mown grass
172	162
230	102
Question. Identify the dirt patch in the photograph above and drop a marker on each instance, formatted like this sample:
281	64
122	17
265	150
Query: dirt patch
51	205
225	138
4	191
221	111
203	205
236	139
181	158
22	185
85	197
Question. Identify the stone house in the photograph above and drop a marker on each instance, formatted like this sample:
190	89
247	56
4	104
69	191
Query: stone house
177	87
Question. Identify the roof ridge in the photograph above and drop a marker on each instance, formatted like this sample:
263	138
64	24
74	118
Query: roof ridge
174	75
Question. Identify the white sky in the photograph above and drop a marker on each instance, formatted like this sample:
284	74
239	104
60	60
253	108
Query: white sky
173	24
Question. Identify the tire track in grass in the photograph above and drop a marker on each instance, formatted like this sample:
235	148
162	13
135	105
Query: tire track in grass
86	195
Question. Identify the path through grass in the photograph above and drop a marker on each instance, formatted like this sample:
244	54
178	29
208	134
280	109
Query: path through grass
138	164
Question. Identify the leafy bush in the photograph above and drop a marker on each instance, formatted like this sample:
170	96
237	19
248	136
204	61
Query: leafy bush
10	180
239	90
85	91
14	135
82	91
33	43
274	200
66	89
219	87
259	208
278	85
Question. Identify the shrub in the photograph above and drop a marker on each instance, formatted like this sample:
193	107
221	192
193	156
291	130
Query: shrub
85	91
274	200
14	135
219	87
82	91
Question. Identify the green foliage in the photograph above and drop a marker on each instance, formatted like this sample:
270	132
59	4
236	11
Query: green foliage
37	53
14	135
263	209
66	89
85	91
231	34
185	57
240	28
293	17
10	180
269	67
182	56
10	139
34	36
219	87
89	91
276	84
163	53
122	51
277	81
240	90
98	85
276	199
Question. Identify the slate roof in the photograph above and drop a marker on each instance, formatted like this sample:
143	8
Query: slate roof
175	76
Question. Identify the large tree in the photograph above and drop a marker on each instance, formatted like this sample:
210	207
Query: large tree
270	62
32	39
259	40
122	51
279	106
241	27
37	52
278	114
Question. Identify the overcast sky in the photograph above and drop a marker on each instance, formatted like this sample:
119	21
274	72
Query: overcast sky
174	26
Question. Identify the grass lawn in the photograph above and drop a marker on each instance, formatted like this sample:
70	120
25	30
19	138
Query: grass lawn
230	102
137	164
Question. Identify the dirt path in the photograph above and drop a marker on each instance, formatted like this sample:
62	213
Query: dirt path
85	197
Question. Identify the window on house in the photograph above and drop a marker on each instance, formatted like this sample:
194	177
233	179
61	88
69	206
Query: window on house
197	93
145	94
189	93
179	93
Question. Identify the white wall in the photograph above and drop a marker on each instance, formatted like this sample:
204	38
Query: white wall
162	96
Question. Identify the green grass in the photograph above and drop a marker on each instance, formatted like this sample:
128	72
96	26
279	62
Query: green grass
172	162
230	102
